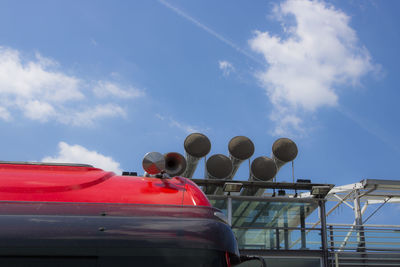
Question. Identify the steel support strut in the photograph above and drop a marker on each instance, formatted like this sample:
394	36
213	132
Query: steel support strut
324	239
359	222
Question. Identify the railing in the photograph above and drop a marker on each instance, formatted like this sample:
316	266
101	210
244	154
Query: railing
278	238
363	245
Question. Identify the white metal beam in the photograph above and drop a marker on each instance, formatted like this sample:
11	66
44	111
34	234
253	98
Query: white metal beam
343	201
346	188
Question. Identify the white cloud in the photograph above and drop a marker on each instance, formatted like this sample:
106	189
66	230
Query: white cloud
79	154
106	89
181	126
38	90
160	117
185	127
283	123
38	110
4	114
226	67
32	79
89	115
319	54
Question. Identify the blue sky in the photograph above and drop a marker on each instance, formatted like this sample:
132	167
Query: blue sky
104	82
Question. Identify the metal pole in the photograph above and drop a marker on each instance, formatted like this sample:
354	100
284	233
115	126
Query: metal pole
331	210
286	231
359	223
303	226
271	239
324	240
336	259
364	208
293	171
229	209
277	238
331	238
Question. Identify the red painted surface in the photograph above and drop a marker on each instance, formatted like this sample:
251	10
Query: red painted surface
26	182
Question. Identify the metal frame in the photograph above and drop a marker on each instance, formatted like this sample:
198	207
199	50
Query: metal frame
263	199
323	253
368	191
303	197
358	197
363	194
260	184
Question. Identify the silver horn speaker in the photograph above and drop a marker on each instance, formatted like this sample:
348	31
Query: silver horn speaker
153	163
175	164
240	148
196	146
218	166
262	169
283	150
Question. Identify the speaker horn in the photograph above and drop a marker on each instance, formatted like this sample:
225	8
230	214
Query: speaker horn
196	146
175	164
218	166
262	169
153	163
283	150
240	148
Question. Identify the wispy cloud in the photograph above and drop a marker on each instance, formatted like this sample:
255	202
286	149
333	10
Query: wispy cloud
181	126
105	89
210	31
93	42
4	114
88	116
226	67
184	127
79	154
38	90
372	128
320	52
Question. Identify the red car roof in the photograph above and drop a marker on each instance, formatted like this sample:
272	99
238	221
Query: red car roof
83	183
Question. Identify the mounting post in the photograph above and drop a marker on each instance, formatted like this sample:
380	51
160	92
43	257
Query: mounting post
359	222
324	239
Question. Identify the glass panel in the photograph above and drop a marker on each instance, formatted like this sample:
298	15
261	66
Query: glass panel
272	225
267	214
278	238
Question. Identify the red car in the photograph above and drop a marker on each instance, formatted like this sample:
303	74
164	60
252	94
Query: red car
78	215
